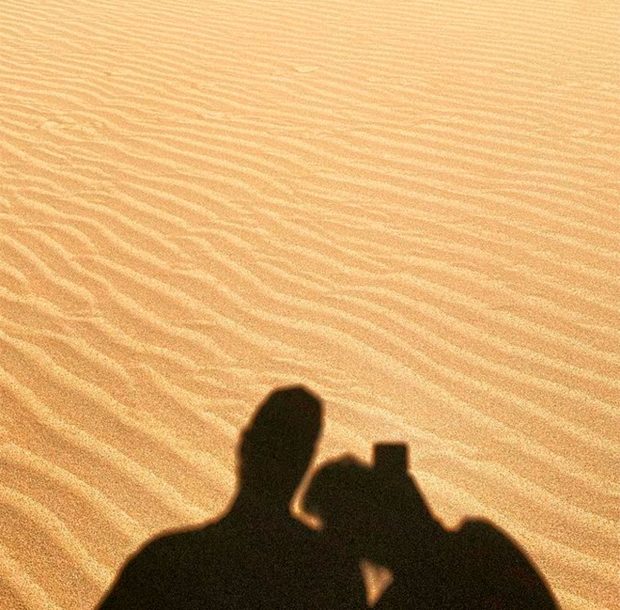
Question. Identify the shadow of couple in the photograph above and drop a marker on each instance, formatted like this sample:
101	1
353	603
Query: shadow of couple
259	556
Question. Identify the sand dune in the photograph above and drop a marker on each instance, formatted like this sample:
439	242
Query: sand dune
411	207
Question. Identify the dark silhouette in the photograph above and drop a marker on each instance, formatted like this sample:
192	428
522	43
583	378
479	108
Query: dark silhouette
257	555
380	515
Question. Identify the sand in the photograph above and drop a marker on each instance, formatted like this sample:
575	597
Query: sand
410	207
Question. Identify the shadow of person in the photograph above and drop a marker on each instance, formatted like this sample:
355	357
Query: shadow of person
257	555
382	517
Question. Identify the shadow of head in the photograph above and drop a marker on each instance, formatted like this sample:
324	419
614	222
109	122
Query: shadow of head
344	495
278	444
370	510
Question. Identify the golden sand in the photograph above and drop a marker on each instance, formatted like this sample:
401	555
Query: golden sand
411	207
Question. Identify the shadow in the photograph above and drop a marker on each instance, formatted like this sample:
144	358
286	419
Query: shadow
257	555
378	513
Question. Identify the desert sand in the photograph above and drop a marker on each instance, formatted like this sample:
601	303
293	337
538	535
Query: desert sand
409	207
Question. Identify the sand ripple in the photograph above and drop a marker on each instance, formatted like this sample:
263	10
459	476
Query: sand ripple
410	207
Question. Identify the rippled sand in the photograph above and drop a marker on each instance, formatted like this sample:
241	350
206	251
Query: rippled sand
411	207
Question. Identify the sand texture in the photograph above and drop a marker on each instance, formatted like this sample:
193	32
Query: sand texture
410	207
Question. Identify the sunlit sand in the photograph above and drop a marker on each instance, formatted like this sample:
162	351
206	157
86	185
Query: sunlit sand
410	207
